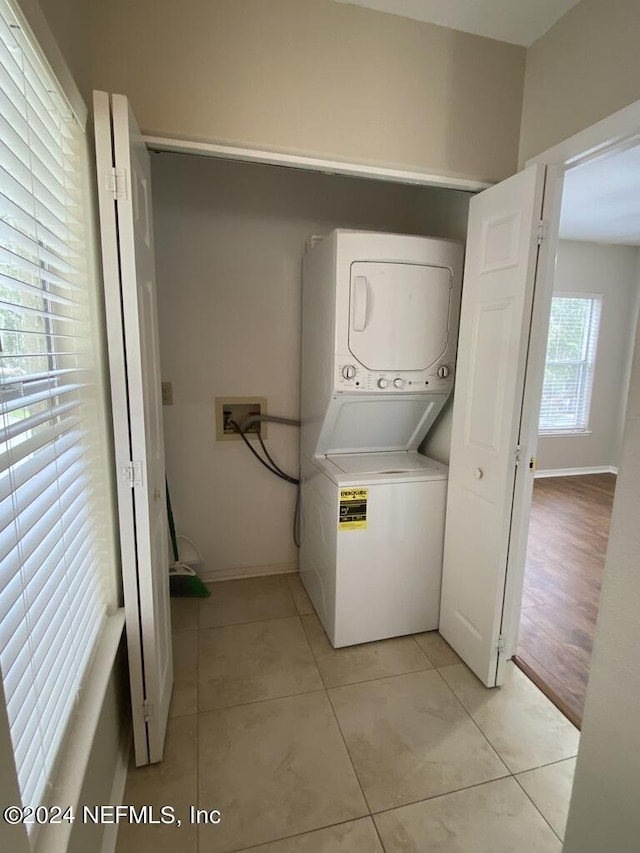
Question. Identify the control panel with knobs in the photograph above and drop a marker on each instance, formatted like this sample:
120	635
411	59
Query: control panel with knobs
348	371
350	377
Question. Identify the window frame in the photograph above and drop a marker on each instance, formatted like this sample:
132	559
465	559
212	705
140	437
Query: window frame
65	780
586	364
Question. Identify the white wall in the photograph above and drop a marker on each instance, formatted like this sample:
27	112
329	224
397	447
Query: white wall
586	67
316	78
612	272
229	241
604	813
70	21
583	69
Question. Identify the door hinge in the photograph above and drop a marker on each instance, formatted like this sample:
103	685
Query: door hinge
542	230
516	454
147	710
132	472
117	183
502	643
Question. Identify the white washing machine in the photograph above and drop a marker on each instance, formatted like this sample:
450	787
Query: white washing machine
380	320
374	530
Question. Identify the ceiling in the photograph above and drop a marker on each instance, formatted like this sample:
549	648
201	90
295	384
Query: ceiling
601	200
515	21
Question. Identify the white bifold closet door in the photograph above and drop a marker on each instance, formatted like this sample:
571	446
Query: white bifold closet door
495	323
124	190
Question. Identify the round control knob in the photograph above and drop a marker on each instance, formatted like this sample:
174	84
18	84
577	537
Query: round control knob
382	382
443	371
348	371
398	383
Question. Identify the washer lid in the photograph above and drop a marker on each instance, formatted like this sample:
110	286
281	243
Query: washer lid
377	422
399	462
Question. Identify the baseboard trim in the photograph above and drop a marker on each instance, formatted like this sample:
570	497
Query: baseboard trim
110	834
576	472
240	572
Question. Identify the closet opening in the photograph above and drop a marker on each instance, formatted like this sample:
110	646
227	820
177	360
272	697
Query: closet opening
230	238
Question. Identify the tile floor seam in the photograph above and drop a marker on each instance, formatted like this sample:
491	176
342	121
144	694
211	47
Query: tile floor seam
260	701
486	737
248	622
346	746
251	622
449	665
335	716
377	678
547	764
313	654
364	680
190	714
298	611
302	834
375	826
536	807
422	650
477	725
443	794
384	678
292	599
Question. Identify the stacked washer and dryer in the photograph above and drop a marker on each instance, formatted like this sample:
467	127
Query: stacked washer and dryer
379	333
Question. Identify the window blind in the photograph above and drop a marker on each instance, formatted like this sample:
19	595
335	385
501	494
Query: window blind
569	365
52	601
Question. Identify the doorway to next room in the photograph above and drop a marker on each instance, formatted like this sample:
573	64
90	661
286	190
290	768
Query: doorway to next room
586	380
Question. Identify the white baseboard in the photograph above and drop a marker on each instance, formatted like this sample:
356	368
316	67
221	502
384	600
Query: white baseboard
248	572
110	834
576	472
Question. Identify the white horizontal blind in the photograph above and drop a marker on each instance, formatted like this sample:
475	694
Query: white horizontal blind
52	602
570	361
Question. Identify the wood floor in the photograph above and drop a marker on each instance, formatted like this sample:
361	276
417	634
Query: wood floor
568	536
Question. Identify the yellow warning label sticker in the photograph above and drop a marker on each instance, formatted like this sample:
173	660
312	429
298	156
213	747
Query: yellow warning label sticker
352	513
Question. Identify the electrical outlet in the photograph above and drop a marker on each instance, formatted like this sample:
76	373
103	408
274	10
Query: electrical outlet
167	393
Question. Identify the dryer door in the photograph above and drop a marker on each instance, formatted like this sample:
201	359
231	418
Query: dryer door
398	315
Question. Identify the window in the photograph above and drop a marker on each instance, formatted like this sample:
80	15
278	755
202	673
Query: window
568	371
53	595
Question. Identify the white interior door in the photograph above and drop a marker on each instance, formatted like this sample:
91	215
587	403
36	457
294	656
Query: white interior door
497	298
124	188
399	314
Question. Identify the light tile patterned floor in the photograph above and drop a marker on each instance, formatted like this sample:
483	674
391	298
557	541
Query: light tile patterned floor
391	747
